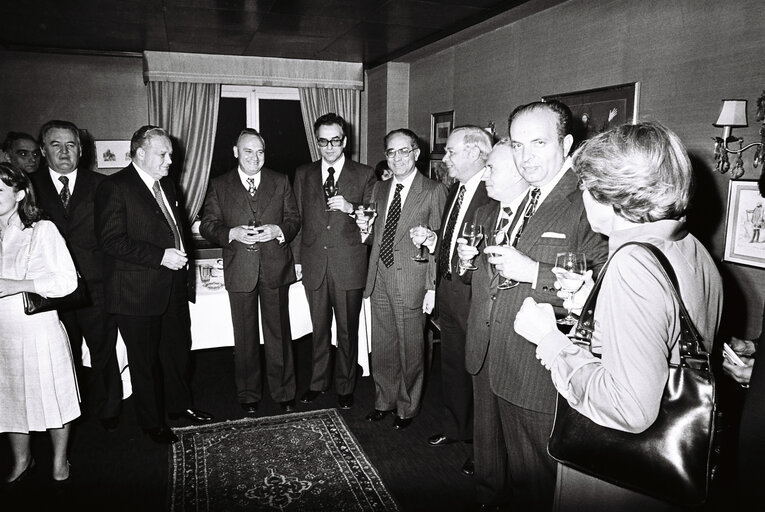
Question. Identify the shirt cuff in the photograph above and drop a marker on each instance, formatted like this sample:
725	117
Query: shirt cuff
431	245
280	236
550	346
536	276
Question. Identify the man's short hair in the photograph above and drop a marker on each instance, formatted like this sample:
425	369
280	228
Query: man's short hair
642	170
55	123
402	131
560	109
143	135
475	136
250	131
12	137
330	119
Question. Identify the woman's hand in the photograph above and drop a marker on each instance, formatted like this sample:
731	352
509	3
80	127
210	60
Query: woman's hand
741	374
535	321
576	302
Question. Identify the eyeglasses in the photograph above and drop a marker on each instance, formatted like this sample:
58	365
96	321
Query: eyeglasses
23	153
335	142
403	152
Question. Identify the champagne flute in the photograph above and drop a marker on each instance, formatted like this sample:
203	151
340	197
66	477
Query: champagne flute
421	254
330	191
501	238
368	210
569	270
473	234
253	224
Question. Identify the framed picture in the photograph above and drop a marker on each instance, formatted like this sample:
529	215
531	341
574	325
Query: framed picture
437	172
745	225
597	110
441	125
112	153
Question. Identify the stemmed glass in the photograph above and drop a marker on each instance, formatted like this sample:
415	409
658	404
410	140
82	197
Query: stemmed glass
569	270
473	234
421	254
330	190
253	224
501	238
368	210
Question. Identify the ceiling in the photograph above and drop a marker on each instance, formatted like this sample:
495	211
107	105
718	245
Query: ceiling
368	31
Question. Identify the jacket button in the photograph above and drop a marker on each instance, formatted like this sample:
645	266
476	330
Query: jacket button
545	288
487	324
325	246
494	297
329	227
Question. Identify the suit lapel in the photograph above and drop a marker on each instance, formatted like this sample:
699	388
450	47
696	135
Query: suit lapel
382	197
81	187
266	190
315	185
235	190
554	205
48	191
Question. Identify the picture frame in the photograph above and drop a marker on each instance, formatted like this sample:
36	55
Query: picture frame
437	172
597	110
112	154
745	225
441	125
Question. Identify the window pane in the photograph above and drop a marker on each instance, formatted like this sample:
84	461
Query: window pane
281	124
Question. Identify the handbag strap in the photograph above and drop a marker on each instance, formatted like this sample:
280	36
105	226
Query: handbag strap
29	251
692	352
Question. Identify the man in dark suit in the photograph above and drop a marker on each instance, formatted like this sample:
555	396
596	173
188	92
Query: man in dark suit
514	397
467	149
66	192
402	290
331	257
140	227
251	213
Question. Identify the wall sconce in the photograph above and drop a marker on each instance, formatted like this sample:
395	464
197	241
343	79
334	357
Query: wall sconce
733	115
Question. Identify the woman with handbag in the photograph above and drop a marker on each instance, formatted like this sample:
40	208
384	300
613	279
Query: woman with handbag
637	182
38	387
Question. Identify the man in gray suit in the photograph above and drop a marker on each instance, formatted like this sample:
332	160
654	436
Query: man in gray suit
514	397
331	257
402	290
251	213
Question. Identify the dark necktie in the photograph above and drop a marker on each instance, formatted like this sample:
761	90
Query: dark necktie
166	212
330	182
391	223
504	220
445	255
251	186
65	195
528	212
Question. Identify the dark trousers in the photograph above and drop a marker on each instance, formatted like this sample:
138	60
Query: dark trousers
347	306
158	351
277	340
101	383
510	443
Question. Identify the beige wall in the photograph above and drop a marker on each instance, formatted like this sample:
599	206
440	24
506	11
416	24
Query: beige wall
687	54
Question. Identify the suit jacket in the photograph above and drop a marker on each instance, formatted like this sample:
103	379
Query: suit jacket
515	373
329	242
77	226
228	205
133	234
424	205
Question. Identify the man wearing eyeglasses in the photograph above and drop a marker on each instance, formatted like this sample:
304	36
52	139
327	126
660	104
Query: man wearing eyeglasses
331	257
22	152
402	290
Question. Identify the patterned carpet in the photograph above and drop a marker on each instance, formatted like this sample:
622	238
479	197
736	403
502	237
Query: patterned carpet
294	462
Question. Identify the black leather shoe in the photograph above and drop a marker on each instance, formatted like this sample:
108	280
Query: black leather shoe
288	406
162	435
401	423
439	439
250	408
468	468
377	415
22	476
110	424
310	395
345	401
191	414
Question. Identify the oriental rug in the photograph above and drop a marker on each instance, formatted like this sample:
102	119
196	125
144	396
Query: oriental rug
306	461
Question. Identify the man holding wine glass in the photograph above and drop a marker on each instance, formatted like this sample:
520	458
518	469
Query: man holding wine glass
252	207
514	399
331	257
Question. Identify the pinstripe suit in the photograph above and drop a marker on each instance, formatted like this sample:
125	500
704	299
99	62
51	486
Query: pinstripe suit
397	292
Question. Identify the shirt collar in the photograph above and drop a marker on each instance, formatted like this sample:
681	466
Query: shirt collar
72	176
545	189
407	182
243	176
337	166
145	177
472	184
667	229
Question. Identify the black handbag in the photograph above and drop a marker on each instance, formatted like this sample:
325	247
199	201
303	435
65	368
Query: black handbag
79	298
672	459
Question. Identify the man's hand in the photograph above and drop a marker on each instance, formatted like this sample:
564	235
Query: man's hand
266	233
743	347
422	235
534	321
243	234
465	252
362	222
429	301
512	263
338	203
174	259
741	374
299	271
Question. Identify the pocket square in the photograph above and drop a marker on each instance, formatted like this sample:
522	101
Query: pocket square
551	234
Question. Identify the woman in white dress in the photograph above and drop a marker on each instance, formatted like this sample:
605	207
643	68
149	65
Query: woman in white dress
38	387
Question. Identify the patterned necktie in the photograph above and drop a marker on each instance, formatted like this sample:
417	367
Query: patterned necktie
445	255
504	220
65	195
330	182
391	223
530	209
251	186
166	212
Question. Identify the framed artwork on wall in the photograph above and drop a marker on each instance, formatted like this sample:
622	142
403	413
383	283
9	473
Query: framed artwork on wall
112	153
745	225
598	110
441	125
438	172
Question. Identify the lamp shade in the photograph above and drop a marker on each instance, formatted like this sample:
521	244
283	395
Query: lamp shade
733	113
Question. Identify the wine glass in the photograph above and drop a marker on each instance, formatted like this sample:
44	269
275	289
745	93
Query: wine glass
421	254
501	238
569	270
368	210
253	224
473	234
330	190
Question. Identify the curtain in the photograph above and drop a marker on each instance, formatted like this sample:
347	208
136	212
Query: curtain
316	102
189	113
